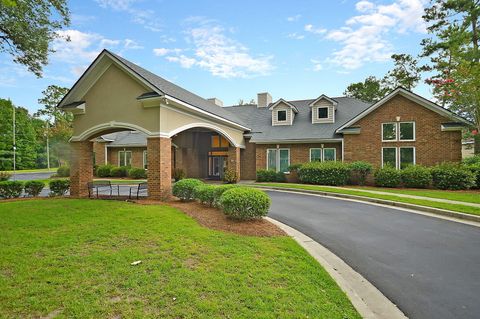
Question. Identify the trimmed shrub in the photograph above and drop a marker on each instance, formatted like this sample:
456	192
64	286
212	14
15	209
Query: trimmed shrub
219	190
137	173
269	175
185	189
33	188
230	176
63	171
205	194
387	177
11	189
360	171
4	176
452	176
58	187
324	173
245	203
416	176
178	174
475	169
472	160
119	171
294	167
104	170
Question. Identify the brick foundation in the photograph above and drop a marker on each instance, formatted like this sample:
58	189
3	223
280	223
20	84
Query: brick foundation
159	175
81	168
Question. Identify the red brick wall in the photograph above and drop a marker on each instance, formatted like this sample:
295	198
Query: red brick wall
247	161
159	172
137	155
431	145
99	150
81	168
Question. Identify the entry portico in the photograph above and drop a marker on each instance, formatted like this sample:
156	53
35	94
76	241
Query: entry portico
116	95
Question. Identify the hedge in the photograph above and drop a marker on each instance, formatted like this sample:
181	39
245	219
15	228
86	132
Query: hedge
11	189
63	171
230	176
185	188
33	188
245	203
137	173
452	176
103	170
324	173
205	194
416	176
387	177
360	170
264	175
120	171
219	190
58	187
4	176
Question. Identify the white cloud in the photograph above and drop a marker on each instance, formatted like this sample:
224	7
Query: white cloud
365	37
165	51
296	36
294	18
132	45
146	17
312	29
185	62
317	65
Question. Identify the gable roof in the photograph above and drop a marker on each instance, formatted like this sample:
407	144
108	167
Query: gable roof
324	97
124	139
411	96
293	107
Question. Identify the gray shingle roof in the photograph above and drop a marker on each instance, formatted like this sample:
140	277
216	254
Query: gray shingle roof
125	139
260	121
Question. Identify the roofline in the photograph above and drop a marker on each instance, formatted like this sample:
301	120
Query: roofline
128	145
299	141
323	96
412	96
284	101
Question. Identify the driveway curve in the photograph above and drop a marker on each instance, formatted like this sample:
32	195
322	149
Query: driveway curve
428	267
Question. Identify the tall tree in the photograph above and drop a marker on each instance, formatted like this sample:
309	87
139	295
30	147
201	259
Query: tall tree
27	27
370	90
405	73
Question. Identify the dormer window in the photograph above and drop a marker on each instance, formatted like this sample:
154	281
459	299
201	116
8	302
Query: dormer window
322	113
283	112
282	115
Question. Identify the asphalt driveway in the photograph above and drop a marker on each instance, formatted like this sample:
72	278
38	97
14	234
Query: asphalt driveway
429	267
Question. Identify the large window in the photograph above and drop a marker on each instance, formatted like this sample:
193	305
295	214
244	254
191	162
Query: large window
125	158
389	131
322	113
315	155
407	131
282	115
407	156
322	154
329	154
403	131
278	159
145	160
398	157
218	141
389	157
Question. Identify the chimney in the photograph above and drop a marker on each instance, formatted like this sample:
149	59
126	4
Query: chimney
263	99
216	101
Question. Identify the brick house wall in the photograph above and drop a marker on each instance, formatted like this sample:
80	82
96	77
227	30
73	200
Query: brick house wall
248	161
99	150
137	155
432	146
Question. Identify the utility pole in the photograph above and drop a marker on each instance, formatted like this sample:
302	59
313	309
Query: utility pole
48	145
14	143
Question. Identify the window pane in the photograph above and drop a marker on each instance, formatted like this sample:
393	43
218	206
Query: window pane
282	115
272	159
322	112
389	131
390	157
406	131
284	160
145	163
329	154
128	158
315	154
406	157
215	141
121	158
223	142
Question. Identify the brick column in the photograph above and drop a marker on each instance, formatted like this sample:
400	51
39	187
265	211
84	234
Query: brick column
81	168
234	160
159	176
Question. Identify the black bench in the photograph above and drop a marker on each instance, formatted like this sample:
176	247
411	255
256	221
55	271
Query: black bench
142	187
101	185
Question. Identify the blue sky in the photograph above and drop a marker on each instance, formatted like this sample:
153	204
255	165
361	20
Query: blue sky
232	49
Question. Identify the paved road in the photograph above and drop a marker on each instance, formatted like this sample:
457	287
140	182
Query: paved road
30	176
429	267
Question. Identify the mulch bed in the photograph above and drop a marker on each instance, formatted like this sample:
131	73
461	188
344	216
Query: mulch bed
214	218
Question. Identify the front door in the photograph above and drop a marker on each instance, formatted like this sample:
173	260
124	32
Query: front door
216	166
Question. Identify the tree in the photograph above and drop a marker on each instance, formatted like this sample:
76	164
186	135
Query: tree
370	90
52	95
242	102
28	27
405	73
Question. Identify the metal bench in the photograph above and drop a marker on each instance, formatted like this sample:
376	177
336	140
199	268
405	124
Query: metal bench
101	185
142	187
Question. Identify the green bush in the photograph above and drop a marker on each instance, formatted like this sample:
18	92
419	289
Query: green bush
178	174
245	203
387	177
475	169
269	175
185	189
324	173
137	173
472	160
205	194
230	176
58	187
63	171
11	189
360	171
219	190
4	176
33	188
104	170
452	176
416	176
294	167
120	171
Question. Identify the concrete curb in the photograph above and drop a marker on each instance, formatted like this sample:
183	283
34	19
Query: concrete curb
365	297
431	210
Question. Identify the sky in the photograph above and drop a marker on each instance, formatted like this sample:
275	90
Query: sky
232	50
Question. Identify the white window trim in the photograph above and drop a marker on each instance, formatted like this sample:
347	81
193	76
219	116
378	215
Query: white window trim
414	155
277	158
318	112
316	148
396	155
334	153
145	160
286	116
399	132
125	156
396	131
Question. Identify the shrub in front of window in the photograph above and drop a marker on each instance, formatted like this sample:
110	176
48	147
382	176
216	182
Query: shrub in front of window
205	194
230	176
416	176
121	171
63	171
219	190
59	187
243	203
452	176
473	164
269	175
137	173
387	177
178	174
360	170
4	176
185	189
103	170
324	173
33	188
11	189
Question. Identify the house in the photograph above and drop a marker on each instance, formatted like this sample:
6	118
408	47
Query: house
202	137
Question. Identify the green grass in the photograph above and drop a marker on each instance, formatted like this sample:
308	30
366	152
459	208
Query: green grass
36	170
447	206
73	257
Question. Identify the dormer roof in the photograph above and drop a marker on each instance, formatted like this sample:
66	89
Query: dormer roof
323	97
293	107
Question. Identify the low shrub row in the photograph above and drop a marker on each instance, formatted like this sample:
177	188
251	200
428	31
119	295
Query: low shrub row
120	171
237	202
269	175
13	189
63	171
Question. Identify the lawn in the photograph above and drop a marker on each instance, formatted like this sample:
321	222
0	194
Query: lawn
35	170
72	258
338	190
